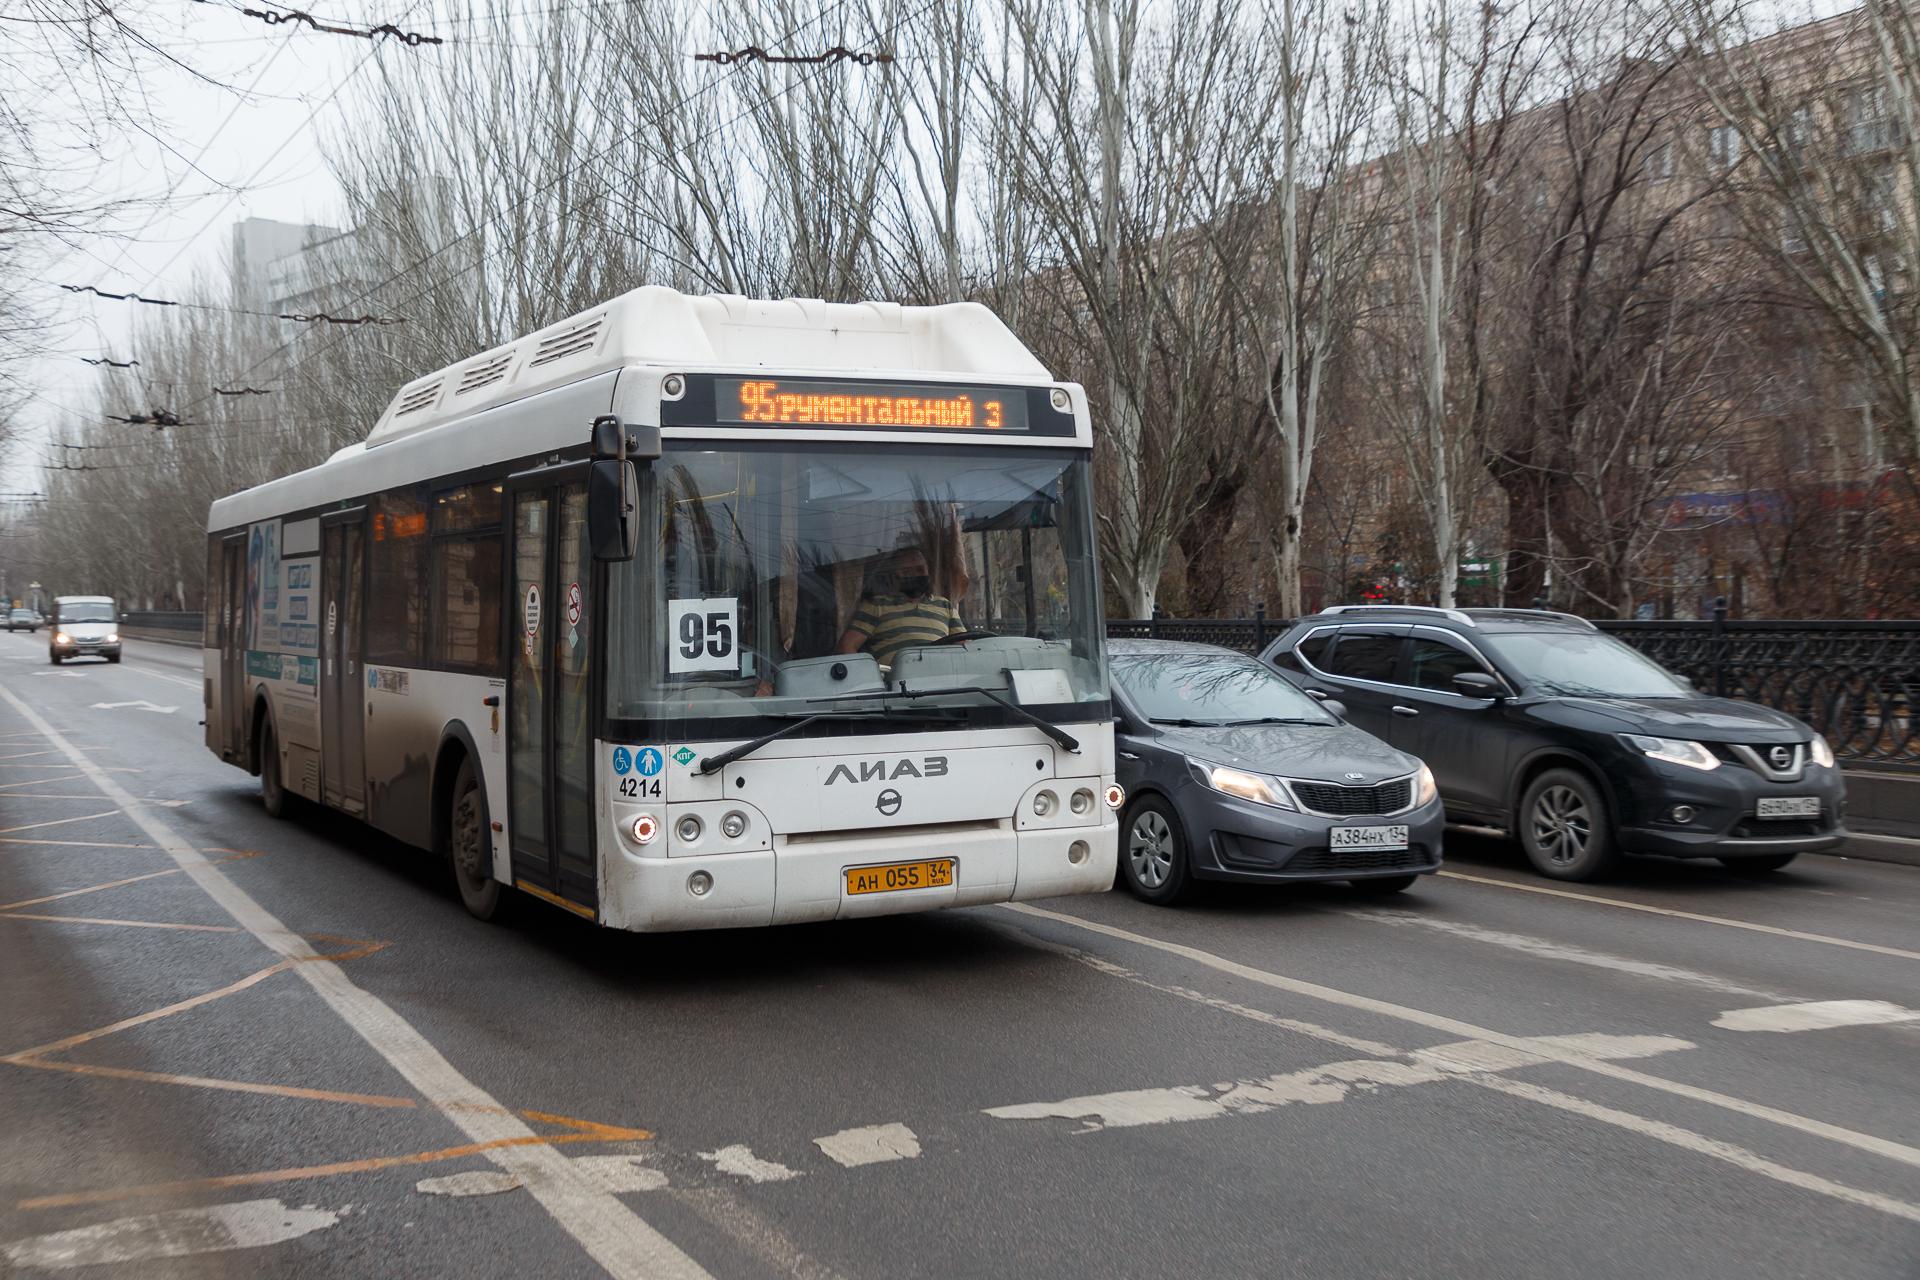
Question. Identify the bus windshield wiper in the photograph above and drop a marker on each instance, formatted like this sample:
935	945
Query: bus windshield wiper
712	764
1041	723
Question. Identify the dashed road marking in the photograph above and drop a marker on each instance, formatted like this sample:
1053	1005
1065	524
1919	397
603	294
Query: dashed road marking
1884	1147
161	675
611	1233
1815	1015
1547	949
1694	916
180	1233
1334	1082
740	1161
870	1144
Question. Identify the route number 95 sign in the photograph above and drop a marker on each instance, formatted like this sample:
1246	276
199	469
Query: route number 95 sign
703	635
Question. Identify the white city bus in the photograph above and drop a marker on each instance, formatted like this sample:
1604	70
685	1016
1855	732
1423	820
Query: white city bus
691	612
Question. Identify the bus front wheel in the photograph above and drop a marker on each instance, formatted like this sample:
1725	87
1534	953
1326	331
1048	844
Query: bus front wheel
273	792
470	846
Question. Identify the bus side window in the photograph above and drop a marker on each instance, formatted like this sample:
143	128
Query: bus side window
397	595
468	550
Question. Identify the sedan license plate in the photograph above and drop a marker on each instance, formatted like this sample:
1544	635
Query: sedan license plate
934	873
1789	807
1368	837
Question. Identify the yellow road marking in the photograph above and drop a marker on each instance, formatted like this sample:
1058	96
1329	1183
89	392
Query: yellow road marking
1695	916
598	1133
114	884
130	924
152	1015
58	822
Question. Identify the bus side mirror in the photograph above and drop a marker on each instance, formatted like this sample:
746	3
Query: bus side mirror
612	528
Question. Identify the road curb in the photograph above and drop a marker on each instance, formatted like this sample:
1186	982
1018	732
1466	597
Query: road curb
1876	848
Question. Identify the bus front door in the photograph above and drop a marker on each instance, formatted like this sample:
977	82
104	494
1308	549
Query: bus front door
342	726
550	722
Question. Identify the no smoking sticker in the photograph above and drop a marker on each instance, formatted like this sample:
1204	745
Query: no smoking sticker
573	604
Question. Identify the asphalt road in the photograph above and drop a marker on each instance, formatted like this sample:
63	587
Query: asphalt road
230	1045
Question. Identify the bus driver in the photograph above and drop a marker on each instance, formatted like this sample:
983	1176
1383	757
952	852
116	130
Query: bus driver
908	614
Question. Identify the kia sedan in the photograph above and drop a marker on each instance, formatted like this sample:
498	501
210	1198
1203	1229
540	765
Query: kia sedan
1234	774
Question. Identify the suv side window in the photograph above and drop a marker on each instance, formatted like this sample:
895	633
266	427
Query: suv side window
1364	656
1435	663
1314	648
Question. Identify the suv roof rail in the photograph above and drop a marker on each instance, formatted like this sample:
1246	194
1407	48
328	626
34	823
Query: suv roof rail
1536	613
1456	615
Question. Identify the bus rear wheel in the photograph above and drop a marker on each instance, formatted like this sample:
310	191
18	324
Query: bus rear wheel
470	846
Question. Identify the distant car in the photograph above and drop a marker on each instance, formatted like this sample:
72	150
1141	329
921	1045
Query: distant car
1582	747
83	625
22	620
1233	773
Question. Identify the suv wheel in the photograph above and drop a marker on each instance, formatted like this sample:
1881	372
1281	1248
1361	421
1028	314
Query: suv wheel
1565	827
1153	852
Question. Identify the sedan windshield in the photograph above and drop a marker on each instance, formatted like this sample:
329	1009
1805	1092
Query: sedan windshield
1584	665
1211	689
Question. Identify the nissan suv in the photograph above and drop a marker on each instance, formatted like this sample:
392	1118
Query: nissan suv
1583	748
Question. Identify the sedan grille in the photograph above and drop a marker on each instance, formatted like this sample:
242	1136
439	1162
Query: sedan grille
1338	860
1332	798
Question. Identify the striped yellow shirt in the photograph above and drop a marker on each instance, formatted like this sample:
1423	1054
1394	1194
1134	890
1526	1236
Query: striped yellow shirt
888	624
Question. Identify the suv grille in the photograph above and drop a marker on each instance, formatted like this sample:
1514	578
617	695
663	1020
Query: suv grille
1329	797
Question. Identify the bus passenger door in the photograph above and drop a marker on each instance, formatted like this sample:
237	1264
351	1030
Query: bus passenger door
233	647
342	726
550	722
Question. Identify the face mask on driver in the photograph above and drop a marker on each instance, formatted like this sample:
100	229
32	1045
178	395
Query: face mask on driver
913	586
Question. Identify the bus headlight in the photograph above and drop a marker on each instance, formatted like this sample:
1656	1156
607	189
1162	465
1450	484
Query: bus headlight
1043	804
1082	801
733	825
644	828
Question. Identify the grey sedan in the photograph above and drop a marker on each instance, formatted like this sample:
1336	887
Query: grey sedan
1233	773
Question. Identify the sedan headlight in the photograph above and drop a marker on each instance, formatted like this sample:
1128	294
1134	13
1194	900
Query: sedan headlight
61	637
1424	788
1238	782
1821	751
1673	750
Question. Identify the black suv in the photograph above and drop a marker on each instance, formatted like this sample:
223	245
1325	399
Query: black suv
1535	723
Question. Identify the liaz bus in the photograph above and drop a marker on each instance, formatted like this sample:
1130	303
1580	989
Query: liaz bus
691	612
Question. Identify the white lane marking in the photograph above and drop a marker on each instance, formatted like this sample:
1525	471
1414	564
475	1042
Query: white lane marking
161	675
621	1175
1815	1015
1886	1148
871	1144
1642	1126
740	1161
59	675
611	1233
476	1182
1695	916
1334	1082
178	1233
1546	949
142	705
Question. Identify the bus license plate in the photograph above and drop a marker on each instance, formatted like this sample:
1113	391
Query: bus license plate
1368	837
1789	807
935	873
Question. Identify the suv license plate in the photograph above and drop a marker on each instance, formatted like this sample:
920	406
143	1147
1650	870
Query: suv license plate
935	873
1367	837
1789	807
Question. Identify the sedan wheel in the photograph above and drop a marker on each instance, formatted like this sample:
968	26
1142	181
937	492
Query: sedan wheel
1153	859
1565	827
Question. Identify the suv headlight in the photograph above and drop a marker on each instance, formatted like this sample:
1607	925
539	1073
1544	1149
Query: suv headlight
1238	782
1678	751
1424	788
1820	751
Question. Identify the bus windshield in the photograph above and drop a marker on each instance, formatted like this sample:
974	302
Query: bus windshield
787	581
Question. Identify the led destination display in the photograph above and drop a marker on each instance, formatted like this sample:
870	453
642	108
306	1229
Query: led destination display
813	403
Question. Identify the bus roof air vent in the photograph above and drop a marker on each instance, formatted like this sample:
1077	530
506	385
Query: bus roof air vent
570	341
417	399
484	373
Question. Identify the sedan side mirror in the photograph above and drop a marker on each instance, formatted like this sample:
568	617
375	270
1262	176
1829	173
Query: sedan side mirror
1477	684
1334	707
